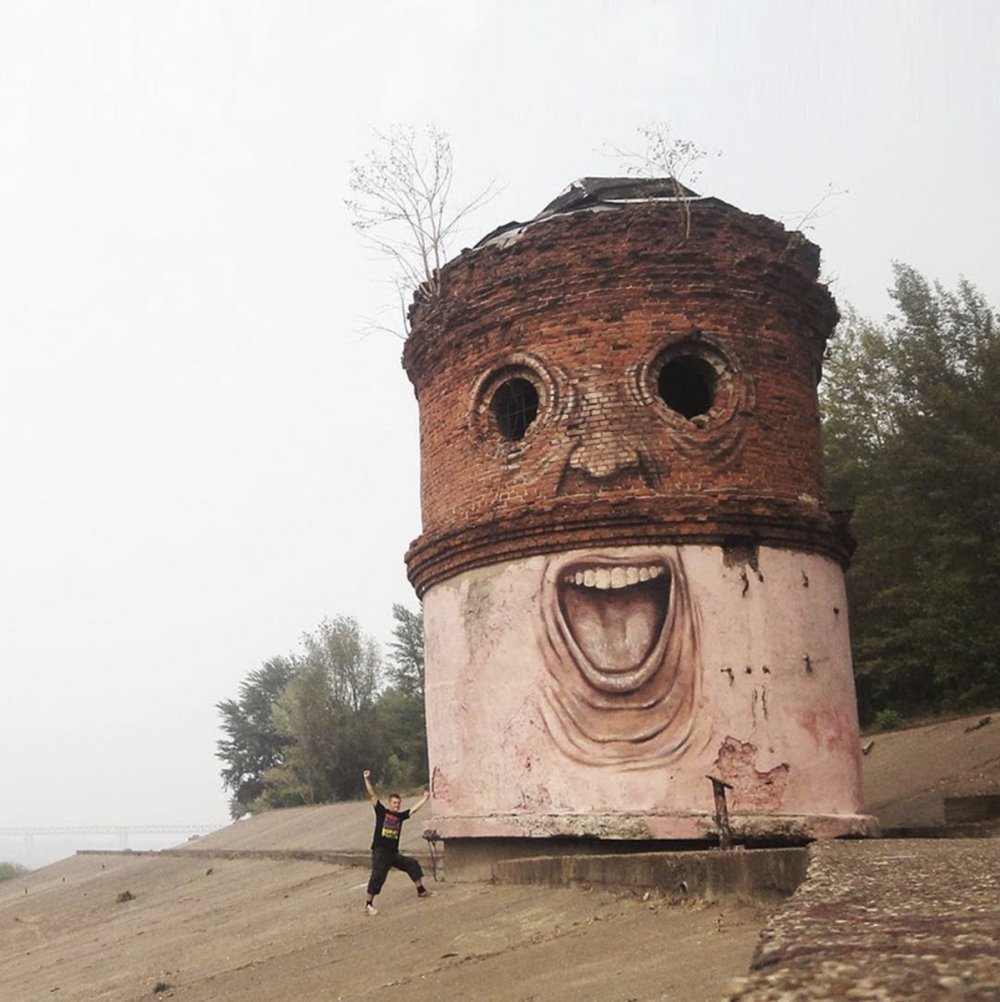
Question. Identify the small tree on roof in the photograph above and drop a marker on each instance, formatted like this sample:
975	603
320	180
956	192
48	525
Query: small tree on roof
401	203
667	156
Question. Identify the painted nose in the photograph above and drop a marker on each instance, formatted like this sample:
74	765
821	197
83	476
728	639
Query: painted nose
606	446
605	453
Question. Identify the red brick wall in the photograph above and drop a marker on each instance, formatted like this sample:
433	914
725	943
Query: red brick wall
588	307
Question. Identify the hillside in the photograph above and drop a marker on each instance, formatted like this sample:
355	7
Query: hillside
908	773
287	929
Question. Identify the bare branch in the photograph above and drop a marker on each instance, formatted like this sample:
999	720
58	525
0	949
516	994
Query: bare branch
666	157
808	218
401	205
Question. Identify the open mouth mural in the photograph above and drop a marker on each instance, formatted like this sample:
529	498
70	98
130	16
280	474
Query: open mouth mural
613	618
621	647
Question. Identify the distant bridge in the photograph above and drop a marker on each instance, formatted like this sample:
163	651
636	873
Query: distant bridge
121	831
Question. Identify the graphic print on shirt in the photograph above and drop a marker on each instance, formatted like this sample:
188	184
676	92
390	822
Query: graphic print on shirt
391	826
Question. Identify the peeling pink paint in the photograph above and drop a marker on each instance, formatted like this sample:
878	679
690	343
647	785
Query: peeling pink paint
753	790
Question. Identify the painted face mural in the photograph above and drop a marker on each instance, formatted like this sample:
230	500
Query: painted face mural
554	434
625	559
618	626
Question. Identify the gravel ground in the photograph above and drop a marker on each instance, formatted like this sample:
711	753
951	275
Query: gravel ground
913	919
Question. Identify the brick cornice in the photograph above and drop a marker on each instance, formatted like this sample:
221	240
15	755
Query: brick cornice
438	556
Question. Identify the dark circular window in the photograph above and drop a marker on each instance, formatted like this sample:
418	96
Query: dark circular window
515	406
687	385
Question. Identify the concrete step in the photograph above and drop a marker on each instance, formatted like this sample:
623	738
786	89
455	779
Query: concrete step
747	875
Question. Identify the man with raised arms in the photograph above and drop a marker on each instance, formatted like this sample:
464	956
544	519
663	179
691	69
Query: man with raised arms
385	844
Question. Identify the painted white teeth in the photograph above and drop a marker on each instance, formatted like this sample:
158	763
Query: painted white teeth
612	577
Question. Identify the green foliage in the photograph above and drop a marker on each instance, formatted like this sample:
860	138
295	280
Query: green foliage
8	871
887	720
912	425
404	736
406	667
307	725
252	744
401	707
327	713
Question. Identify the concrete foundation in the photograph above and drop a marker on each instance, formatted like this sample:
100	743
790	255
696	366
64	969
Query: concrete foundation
758	876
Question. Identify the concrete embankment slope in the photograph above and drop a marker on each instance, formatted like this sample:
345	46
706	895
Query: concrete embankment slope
908	774
261	910
338	827
887	919
127	926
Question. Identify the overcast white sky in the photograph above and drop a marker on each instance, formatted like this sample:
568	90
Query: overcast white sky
199	459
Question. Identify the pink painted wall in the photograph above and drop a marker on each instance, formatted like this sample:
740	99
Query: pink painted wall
592	692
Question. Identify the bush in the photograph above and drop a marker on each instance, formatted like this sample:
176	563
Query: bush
8	871
888	720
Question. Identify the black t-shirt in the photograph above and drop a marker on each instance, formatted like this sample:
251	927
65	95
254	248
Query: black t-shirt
388	825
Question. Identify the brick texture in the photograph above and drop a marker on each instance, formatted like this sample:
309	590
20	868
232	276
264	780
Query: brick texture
588	309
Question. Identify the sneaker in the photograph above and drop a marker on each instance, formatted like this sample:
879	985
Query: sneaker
370	909
425	894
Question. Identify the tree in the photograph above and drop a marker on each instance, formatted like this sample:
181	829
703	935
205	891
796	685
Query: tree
306	725
327	714
912	425
406	666
664	155
401	707
8	871
670	157
402	204
253	744
350	658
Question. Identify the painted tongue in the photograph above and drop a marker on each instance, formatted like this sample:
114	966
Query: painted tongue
616	629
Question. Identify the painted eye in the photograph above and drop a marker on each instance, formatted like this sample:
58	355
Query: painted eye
512	400
514	407
687	385
693	382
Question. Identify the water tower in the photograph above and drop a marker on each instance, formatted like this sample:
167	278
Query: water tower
630	579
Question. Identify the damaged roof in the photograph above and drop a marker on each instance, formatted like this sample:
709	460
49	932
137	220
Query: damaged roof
595	190
597	193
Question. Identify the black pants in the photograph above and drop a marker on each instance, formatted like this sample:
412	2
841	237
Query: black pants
384	860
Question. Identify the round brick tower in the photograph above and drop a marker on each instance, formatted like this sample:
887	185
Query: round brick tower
630	579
